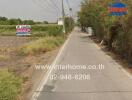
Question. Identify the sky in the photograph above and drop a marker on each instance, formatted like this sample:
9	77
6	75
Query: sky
38	10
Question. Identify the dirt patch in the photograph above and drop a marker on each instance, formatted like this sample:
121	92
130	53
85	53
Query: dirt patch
37	75
7	46
13	41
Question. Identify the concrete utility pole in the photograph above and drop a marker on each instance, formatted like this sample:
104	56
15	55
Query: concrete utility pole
63	16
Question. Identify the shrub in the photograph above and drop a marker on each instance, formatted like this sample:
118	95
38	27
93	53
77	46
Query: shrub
69	24
10	86
117	30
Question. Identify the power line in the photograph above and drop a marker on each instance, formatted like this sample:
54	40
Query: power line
52	4
36	2
55	5
69	8
68	4
45	6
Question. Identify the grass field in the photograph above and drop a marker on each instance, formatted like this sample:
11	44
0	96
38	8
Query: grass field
37	30
41	45
15	51
10	85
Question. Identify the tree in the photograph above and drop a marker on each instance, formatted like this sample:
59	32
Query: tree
30	22
13	21
116	31
3	19
69	24
46	22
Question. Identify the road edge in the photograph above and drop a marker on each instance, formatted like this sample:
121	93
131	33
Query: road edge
45	78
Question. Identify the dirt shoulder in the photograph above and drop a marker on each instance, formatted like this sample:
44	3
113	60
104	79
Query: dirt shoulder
37	75
126	65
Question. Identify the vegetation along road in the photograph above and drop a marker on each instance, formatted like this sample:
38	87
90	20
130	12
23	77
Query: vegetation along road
106	81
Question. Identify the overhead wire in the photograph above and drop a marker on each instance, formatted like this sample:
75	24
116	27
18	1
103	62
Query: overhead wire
69	8
68	4
56	5
53	5
46	5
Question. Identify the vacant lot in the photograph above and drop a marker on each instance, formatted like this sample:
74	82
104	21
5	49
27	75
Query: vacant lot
8	44
19	55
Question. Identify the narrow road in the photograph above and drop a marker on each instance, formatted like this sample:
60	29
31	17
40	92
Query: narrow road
94	83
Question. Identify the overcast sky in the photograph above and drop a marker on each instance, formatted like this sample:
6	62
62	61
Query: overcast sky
38	10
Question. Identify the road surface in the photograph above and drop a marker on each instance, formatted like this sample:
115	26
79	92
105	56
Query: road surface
110	82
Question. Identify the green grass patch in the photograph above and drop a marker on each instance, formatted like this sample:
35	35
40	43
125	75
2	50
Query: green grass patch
46	30
10	86
40	45
37	30
7	30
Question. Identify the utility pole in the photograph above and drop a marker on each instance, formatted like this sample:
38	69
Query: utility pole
71	12
63	17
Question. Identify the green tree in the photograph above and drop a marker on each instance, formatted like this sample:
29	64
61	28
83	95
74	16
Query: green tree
46	22
30	22
14	21
69	24
115	30
3	19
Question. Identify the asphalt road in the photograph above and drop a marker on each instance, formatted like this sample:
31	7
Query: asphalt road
110	82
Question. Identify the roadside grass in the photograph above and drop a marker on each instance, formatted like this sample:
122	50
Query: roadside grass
41	45
44	38
46	30
10	85
4	57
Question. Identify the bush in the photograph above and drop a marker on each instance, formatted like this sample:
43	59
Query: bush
69	24
116	30
10	86
119	43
